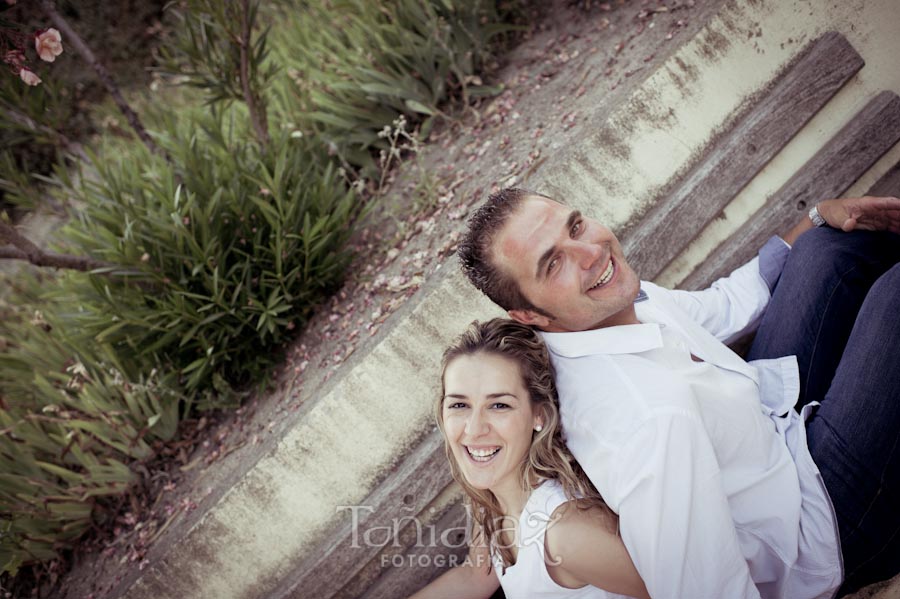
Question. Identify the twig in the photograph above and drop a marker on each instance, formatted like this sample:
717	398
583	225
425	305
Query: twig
256	117
51	259
22	248
26	121
73	38
9	234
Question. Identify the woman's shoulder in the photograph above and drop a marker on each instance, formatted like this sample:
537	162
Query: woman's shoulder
573	515
566	514
583	547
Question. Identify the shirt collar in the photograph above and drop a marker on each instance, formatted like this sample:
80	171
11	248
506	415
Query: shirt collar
621	339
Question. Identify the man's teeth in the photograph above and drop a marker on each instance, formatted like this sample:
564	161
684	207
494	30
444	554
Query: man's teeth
605	277
482	455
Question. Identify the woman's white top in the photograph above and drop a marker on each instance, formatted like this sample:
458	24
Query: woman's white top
528	577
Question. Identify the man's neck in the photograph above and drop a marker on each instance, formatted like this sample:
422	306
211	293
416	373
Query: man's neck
626	316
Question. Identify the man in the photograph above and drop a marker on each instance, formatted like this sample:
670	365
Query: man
711	469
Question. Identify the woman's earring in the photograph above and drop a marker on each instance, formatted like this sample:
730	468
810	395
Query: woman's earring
538	428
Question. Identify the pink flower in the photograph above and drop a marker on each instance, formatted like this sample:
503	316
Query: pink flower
28	76
48	44
14	57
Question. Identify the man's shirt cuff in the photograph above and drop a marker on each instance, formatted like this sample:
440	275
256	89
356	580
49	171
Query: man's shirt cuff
772	257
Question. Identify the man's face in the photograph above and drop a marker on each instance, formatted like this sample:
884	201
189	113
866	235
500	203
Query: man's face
570	266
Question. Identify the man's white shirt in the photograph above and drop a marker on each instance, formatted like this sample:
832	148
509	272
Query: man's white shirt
699	452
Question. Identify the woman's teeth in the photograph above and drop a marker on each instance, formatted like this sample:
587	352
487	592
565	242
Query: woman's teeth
482	455
605	277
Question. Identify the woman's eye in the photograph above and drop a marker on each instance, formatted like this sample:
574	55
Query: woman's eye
456	405
499	405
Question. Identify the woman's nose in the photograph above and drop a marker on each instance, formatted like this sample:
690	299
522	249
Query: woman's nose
476	423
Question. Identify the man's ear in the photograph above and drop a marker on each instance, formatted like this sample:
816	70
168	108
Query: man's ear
529	317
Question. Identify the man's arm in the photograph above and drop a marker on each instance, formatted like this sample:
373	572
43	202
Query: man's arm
674	516
732	306
867	213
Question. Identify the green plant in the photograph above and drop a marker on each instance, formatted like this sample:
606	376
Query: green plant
35	125
71	420
232	249
213	49
222	257
354	66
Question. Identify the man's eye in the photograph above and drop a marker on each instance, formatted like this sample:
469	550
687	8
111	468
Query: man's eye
552	265
576	228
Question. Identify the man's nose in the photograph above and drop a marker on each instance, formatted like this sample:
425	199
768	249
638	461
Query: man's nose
585	254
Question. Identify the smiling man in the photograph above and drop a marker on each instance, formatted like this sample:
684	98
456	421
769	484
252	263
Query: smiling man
713	472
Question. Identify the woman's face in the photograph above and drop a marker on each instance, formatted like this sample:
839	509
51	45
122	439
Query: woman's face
488	419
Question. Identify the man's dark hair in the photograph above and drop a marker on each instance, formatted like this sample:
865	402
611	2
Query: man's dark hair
475	250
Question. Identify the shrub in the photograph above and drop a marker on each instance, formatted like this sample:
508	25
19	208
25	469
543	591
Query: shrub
229	250
72	421
216	260
354	66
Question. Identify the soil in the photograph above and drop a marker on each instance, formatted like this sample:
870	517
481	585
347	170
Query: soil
502	141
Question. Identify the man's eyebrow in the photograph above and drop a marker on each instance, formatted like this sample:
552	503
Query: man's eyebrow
574	216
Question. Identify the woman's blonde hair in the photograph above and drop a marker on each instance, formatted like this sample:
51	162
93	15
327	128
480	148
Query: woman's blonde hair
548	457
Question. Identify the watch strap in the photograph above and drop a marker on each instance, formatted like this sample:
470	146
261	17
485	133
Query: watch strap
816	218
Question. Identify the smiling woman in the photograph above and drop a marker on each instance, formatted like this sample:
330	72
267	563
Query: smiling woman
539	526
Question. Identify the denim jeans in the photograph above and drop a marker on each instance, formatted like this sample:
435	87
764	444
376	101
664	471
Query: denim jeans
837	308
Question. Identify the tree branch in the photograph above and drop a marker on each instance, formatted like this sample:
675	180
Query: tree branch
9	234
260	126
23	120
22	248
51	259
75	40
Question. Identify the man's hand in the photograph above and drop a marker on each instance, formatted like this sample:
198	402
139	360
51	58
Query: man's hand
849	214
867	213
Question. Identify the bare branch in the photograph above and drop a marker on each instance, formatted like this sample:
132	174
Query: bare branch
24	120
75	40
22	248
257	117
51	259
9	234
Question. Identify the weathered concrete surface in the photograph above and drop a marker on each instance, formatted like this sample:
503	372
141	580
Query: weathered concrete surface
772	31
268	521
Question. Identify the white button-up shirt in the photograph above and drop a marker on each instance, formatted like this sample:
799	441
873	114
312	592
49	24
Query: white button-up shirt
706	462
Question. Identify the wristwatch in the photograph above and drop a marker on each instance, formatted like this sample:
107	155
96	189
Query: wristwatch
816	218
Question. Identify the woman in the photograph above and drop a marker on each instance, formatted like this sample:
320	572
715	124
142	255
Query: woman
539	526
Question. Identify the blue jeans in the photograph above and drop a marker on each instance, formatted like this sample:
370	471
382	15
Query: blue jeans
837	308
